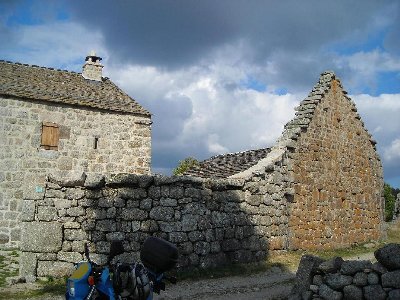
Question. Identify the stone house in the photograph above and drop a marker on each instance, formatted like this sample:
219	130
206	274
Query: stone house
319	187
63	123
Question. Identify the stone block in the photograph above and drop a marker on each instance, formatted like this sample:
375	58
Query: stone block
55	269
374	292
28	210
41	237
94	181
307	268
351	267
391	279
389	256
72	257
162	213
27	264
139	215
352	292
338	281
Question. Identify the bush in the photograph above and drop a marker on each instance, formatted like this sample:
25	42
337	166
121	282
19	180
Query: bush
185	165
389	202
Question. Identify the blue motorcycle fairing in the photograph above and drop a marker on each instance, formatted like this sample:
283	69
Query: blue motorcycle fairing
79	281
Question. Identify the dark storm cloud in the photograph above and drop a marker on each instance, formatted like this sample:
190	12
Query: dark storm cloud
180	32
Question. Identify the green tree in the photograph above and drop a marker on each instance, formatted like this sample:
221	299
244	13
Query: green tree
185	165
389	202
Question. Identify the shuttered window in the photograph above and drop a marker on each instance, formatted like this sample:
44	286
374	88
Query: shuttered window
50	136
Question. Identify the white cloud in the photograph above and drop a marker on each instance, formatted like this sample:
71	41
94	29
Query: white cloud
392	152
59	44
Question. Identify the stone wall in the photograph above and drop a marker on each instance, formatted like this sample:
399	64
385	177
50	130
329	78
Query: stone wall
338	177
349	279
123	145
211	222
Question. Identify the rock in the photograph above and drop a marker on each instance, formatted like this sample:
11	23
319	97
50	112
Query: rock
304	275
379	268
331	266
94	181
391	279
389	256
338	281
352	292
41	237
327	293
394	295
373	278
351	267
374	292
360	279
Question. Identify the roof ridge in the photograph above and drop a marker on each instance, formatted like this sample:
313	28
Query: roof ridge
37	66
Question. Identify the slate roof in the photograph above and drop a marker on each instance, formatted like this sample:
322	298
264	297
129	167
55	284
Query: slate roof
225	165
60	86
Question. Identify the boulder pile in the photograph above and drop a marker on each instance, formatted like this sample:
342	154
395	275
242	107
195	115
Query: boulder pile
337	279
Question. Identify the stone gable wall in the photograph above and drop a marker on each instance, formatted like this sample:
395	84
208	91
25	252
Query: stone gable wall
211	222
124	145
338	177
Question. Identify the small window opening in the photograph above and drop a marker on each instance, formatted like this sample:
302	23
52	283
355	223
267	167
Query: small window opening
96	142
50	136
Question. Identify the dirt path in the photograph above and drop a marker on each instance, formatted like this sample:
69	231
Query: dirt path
272	284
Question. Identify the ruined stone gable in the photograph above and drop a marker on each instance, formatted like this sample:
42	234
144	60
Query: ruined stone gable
336	170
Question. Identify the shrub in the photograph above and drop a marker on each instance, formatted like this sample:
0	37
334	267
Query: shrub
389	202
185	165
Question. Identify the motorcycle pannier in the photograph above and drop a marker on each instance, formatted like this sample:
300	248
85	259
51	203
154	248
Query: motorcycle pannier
158	255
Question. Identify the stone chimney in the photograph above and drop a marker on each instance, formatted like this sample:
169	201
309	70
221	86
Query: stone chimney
92	69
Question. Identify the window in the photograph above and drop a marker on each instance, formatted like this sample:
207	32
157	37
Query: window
50	136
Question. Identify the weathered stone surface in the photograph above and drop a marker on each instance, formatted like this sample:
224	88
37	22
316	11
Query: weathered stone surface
338	281
327	293
55	269
94	181
28	210
389	256
27	264
374	292
162	213
350	267
360	279
72	257
41	237
331	265
373	278
307	267
352	292
394	294
391	279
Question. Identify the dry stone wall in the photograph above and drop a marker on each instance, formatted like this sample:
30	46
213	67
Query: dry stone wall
349	279
211	222
123	145
337	173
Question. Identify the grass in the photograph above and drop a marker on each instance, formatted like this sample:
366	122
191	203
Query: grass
43	288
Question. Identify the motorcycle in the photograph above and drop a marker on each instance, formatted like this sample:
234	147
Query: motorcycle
122	281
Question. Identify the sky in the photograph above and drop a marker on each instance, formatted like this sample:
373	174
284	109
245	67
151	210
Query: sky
222	76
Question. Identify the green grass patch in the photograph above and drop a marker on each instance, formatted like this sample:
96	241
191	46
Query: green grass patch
44	288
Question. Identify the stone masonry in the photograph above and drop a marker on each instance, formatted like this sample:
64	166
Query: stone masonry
320	186
213	222
349	279
336	170
95	136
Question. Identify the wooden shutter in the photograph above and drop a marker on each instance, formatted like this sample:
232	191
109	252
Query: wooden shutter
50	136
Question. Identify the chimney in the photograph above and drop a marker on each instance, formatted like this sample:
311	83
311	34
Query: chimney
92	69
